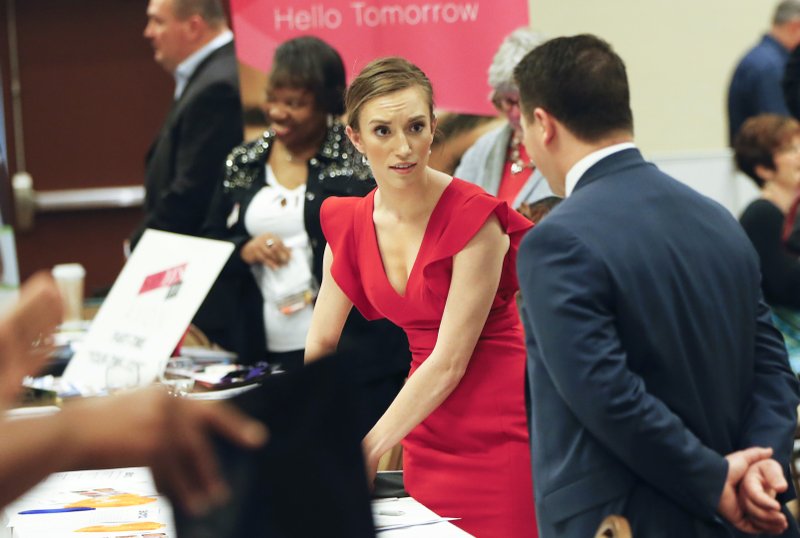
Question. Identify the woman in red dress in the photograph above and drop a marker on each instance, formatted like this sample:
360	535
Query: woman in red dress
435	255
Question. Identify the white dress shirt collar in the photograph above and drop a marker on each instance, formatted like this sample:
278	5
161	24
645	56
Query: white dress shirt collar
185	69
579	168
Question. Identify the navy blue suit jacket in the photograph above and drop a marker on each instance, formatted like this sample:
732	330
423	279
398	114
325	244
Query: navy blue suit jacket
651	355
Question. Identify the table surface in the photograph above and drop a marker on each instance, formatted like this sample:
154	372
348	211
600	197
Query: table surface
409	505
139	479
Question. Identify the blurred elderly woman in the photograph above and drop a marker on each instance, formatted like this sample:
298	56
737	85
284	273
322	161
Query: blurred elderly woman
498	161
767	149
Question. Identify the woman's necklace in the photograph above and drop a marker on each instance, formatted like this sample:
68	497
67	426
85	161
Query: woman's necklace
517	164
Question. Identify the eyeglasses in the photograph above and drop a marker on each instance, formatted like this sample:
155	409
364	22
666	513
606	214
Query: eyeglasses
506	102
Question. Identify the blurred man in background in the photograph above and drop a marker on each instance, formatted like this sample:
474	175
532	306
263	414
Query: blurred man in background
756	84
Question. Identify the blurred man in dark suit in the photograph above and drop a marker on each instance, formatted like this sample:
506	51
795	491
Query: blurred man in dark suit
755	87
654	368
192	41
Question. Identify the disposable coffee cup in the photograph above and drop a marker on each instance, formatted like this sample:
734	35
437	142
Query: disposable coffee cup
69	279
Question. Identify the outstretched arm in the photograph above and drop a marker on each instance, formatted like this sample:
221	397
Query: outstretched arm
143	428
330	314
147	427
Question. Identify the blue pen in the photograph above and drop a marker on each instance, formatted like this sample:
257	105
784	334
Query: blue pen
56	510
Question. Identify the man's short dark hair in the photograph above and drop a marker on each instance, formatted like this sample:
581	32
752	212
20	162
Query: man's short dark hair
581	81
210	11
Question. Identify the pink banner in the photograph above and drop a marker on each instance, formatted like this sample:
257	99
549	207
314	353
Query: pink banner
453	41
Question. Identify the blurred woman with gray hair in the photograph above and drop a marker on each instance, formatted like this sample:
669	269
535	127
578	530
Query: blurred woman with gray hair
498	161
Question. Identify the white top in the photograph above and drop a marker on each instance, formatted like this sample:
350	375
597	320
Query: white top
279	211
579	168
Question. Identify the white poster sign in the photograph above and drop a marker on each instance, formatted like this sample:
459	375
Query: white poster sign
147	311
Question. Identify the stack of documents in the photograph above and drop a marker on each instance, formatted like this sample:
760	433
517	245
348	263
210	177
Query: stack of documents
106	503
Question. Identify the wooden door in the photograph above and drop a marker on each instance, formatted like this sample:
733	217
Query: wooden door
91	101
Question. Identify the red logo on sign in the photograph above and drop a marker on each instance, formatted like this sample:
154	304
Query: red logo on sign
167	278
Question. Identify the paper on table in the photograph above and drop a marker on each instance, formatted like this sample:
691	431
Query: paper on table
202	355
125	500
223	394
420	523
401	513
161	533
211	376
129	531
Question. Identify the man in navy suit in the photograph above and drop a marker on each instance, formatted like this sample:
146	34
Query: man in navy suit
655	372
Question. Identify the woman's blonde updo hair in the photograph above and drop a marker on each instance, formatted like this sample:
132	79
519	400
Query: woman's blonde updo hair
381	77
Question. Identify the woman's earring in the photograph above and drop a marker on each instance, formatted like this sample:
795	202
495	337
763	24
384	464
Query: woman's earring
364	160
330	120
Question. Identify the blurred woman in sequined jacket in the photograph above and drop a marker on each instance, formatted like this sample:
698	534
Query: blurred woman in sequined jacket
268	206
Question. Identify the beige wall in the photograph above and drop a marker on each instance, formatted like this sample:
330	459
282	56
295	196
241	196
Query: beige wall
680	55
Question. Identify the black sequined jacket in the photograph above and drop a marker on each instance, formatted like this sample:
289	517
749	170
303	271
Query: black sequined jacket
336	170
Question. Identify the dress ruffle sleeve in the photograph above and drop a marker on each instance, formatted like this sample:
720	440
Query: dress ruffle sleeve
337	216
474	210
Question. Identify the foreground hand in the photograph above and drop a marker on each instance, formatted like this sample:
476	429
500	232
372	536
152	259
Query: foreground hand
266	249
738	463
757	491
170	435
26	332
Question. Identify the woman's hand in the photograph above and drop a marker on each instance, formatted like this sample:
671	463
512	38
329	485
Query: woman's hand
266	249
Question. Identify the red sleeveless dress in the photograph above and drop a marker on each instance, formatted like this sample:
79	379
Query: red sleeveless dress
470	457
